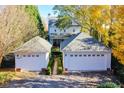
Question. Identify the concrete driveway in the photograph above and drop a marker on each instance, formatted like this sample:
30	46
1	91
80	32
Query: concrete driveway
82	80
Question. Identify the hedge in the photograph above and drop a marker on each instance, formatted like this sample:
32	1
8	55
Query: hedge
108	85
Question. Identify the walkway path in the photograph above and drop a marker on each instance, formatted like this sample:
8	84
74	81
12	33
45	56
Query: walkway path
55	67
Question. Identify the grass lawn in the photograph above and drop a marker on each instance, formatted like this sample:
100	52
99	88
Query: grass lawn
6	77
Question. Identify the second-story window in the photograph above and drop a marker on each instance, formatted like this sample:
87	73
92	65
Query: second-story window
17	55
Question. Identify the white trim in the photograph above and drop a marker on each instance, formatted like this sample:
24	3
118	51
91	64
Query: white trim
86	51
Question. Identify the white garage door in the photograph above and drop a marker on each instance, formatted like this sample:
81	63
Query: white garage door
32	62
85	62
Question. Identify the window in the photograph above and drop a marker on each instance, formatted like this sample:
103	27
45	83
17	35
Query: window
33	55
37	55
98	55
102	54
61	34
24	55
64	30
17	55
71	55
65	54
29	55
85	55
75	55
80	55
89	55
93	55
55	30
53	34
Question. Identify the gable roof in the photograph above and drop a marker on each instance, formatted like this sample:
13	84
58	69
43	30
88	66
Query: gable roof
82	42
52	21
36	44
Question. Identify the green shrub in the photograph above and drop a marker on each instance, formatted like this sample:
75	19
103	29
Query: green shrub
59	66
8	61
50	65
59	62
55	49
60	70
48	71
118	69
120	75
51	61
5	77
108	85
55	54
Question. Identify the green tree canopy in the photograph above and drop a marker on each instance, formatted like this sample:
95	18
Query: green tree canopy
105	23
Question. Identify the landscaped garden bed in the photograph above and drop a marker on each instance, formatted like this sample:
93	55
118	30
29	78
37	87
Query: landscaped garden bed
55	55
108	85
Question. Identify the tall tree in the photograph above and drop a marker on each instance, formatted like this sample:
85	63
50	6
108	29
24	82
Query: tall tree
105	23
117	37
17	25
34	14
89	17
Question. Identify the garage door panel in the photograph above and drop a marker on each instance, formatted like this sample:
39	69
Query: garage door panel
32	63
86	63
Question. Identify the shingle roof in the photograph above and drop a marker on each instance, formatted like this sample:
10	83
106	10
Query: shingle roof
36	44
82	42
52	21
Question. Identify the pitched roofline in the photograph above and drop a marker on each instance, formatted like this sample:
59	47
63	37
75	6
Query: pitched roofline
69	42
43	45
37	38
73	40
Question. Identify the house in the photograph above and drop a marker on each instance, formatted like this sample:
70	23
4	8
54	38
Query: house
57	35
84	53
33	55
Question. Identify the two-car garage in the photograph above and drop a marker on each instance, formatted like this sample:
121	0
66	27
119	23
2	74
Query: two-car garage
84	53
86	61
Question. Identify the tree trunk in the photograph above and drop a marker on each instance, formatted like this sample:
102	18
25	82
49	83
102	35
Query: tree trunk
1	56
